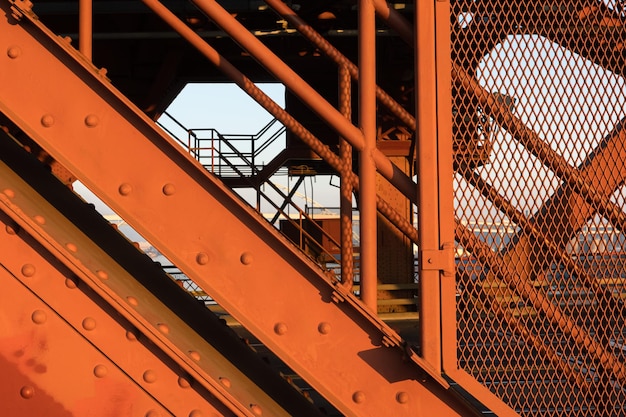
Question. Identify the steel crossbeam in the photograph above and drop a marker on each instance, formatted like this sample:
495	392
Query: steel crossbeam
353	359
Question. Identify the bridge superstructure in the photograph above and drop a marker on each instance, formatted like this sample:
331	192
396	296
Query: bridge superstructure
482	142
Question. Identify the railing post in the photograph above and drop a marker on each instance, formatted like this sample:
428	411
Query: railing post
367	165
85	17
346	186
435	192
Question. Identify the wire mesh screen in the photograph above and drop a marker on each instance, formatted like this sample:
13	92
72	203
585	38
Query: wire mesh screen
539	105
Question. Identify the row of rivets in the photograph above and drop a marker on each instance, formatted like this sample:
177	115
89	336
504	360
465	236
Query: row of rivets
91	120
125	189
280	328
359	397
100	371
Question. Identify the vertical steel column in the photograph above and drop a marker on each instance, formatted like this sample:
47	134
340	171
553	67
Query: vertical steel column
85	13
346	186
367	166
434	153
445	168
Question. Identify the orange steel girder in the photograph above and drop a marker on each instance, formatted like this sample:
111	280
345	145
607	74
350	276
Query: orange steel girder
190	359
351	357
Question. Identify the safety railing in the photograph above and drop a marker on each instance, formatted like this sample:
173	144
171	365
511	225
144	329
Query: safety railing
235	156
226	155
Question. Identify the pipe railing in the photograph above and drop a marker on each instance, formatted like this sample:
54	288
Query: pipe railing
242	165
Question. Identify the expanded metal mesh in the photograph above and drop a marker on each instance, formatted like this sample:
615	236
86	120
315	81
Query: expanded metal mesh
539	109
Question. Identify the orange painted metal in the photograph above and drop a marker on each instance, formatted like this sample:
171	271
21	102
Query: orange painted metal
49	368
304	92
85	41
352	358
426	90
537	326
367	165
345	203
293	125
341	60
146	317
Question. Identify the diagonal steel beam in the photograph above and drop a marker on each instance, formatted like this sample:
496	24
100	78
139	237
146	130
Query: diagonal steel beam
122	294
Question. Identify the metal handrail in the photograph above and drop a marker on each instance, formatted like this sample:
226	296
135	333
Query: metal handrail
226	159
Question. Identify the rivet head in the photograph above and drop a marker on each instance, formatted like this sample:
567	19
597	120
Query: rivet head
169	189
91	120
246	258
27	392
100	371
39	317
40	219
47	120
256	409
12	229
71	283
358	397
14	52
194	355
153	413
28	270
163	328
196	413
323	327
202	258
280	328
225	382
132	301
125	189
131	335
9	192
183	382
71	247
89	323
149	376
402	397
102	275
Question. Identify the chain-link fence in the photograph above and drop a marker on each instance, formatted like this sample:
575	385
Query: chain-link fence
539	105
